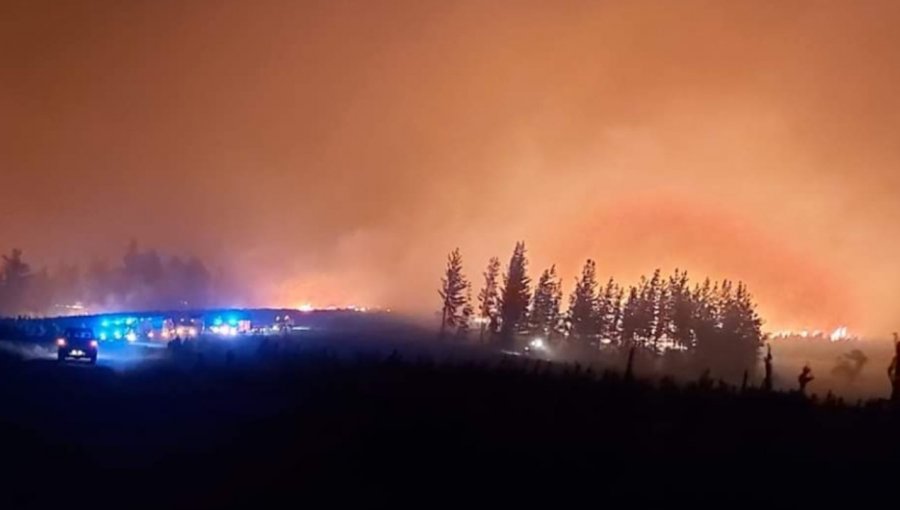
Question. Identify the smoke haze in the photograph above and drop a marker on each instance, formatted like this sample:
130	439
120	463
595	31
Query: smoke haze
334	152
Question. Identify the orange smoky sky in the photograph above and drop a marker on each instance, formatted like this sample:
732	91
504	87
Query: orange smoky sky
333	152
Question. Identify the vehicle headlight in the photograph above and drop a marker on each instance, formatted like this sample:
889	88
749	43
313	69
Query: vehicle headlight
61	342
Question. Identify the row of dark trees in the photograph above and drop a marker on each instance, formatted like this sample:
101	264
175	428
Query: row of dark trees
660	313
144	280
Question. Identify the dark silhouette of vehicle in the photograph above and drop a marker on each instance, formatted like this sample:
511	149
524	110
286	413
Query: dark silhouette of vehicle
78	343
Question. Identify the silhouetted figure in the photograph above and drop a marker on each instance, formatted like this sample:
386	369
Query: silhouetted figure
767	382
804	378
629	368
893	373
744	381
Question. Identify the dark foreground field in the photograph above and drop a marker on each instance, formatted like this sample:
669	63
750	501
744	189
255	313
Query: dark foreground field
292	427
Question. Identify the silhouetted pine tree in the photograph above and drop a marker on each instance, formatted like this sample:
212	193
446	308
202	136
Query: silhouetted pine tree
462	328
543	319
727	329
608	311
736	348
729	312
658	307
748	326
681	310
516	295
630	317
582	314
706	317
489	298
615	326
646	313
767	381
453	293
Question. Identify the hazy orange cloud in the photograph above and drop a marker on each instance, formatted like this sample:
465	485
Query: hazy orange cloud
336	151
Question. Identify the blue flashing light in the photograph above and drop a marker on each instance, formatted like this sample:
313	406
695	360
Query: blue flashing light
232	321
103	336
105	323
117	334
217	321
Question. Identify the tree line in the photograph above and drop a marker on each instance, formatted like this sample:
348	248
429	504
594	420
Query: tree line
660	314
143	280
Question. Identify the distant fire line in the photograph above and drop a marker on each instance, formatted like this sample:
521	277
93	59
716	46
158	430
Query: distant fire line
840	334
